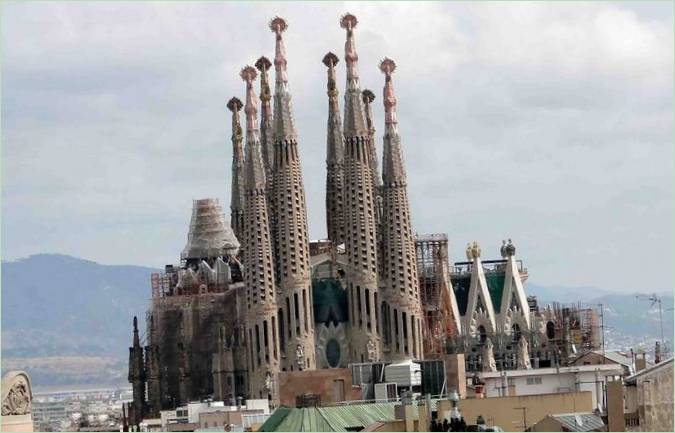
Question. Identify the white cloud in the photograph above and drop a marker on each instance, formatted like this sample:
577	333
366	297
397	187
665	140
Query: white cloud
550	123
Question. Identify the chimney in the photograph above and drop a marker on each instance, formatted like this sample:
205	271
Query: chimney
640	361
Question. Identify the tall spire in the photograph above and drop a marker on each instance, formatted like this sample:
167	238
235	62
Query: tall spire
399	268
237	193
284	124
289	216
368	98
266	132
254	169
334	158
359	214
261	308
354	123
392	162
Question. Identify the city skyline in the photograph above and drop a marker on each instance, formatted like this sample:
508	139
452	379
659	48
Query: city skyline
122	110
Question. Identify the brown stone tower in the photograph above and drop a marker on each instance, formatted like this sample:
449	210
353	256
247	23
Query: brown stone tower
360	237
401	309
237	193
261	307
335	153
296	324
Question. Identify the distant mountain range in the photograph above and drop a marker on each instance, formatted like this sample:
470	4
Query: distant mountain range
68	320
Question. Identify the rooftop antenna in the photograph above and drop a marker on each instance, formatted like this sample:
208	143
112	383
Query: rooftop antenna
654	301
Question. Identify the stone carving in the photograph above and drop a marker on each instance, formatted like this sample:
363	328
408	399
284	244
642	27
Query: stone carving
16	394
372	353
472	251
502	250
268	381
510	249
300	356
479	317
523	354
489	363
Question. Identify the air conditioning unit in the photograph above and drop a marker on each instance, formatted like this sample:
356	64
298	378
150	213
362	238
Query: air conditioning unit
406	373
385	392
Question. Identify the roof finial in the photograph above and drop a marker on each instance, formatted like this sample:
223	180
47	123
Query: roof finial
330	60
349	22
368	96
249	74
388	66
278	26
235	105
263	64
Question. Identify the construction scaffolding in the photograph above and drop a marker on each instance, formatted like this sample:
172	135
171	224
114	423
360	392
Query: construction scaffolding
434	285
576	328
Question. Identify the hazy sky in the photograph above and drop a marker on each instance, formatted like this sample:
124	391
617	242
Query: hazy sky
549	123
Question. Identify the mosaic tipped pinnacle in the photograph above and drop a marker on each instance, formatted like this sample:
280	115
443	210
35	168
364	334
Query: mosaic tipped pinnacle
248	73
387	66
263	64
234	104
348	21
278	25
330	60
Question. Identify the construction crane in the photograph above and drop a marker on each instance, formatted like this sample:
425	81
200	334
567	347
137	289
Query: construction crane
654	300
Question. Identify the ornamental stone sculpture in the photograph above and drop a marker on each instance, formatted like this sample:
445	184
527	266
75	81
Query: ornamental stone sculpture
523	354
17	400
489	363
372	353
300	356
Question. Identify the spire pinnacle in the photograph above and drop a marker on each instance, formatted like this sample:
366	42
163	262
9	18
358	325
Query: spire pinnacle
354	123
368	96
335	137
137	342
263	64
235	105
284	124
248	74
387	66
266	132
278	26
349	22
330	60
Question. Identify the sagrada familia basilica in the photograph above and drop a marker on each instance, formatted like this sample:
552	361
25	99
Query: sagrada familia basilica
256	297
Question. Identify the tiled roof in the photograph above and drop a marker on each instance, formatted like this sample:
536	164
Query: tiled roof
331	418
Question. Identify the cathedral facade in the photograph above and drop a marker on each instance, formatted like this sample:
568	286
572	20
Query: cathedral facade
256	297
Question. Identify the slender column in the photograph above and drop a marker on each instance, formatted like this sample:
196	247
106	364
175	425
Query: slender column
290	216
360	237
398	252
